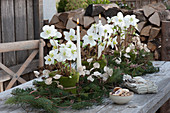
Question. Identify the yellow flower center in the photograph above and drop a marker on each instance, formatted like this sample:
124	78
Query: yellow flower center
70	46
51	55
54	47
90	37
49	59
131	19
114	42
72	51
102	44
120	20
48	32
64	53
71	37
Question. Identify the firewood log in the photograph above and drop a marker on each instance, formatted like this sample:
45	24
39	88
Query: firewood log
154	33
88	21
146	30
155	19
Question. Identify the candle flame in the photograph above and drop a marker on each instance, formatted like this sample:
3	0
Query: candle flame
77	21
100	16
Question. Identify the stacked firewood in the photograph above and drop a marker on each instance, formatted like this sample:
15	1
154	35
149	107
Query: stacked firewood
149	27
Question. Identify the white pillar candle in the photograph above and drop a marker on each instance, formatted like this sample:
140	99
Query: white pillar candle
78	46
100	21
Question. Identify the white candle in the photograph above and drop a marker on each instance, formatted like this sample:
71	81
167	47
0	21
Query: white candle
100	21
78	46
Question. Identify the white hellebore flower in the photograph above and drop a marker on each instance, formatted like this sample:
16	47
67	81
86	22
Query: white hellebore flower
90	60
48	81
53	53
110	20
90	78
57	76
101	47
93	29
107	29
97	74
105	76
36	73
49	60
118	61
46	73
71	45
54	43
50	31
73	48
96	65
128	49
119	20
89	39
70	35
108	70
87	72
65	54
126	55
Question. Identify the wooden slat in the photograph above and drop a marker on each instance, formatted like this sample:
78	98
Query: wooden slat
33	66
6	69
38	17
19	46
23	67
30	22
8	34
21	27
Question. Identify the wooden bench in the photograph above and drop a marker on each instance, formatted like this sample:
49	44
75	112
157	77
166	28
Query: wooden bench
28	66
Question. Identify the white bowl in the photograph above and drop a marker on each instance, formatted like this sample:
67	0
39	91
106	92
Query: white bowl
121	99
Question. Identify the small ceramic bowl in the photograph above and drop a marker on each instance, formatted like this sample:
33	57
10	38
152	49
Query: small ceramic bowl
121	99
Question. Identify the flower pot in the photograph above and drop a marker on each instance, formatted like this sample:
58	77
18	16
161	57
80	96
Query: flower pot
69	84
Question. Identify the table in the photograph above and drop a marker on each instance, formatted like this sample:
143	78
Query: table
146	103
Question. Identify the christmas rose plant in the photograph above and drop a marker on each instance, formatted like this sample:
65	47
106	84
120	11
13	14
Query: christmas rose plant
108	52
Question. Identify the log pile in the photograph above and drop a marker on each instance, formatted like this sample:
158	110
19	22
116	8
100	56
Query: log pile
149	27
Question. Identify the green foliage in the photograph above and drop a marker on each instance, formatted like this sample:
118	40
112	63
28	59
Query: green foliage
62	5
98	2
50	98
75	4
136	65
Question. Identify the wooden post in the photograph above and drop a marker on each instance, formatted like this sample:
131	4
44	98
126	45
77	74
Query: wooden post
1	87
41	53
165	50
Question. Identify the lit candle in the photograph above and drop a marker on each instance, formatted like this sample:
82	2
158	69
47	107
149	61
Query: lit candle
100	21
78	46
